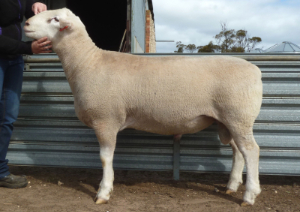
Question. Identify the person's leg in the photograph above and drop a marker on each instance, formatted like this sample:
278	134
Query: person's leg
9	109
3	141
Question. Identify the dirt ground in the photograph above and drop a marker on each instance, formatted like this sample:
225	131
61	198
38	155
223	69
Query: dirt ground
62	189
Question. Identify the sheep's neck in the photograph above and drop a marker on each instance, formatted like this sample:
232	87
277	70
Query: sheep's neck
69	49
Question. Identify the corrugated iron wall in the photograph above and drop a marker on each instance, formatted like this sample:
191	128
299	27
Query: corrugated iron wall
48	133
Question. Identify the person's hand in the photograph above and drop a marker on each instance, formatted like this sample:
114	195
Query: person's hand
38	8
42	45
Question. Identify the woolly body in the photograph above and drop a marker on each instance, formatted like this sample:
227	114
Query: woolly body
165	95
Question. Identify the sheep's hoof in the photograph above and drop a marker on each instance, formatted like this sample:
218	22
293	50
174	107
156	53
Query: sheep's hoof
100	201
245	204
229	191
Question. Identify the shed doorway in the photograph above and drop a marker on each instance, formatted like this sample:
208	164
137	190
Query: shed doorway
105	22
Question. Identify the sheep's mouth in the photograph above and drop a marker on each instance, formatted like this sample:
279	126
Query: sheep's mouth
28	31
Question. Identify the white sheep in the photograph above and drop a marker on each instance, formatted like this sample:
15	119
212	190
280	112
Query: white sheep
166	95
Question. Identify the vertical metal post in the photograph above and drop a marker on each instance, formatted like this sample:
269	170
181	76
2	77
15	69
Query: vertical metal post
176	157
128	26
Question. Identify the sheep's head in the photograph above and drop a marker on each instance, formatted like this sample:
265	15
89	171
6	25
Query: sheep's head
52	24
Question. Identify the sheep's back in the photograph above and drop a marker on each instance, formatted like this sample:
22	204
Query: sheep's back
176	89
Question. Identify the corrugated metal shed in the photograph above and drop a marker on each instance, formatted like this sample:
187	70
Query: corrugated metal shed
48	133
284	47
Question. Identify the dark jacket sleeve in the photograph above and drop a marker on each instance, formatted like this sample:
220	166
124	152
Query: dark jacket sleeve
9	46
28	10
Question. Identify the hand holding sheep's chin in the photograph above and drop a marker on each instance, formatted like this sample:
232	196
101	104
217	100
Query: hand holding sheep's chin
42	45
38	8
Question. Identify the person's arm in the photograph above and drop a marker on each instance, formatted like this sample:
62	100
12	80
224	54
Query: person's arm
9	46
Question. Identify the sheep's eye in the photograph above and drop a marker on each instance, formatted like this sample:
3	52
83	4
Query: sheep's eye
55	18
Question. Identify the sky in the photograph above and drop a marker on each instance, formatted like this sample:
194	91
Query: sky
198	21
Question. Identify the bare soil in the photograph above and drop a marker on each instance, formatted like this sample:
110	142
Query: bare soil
66	189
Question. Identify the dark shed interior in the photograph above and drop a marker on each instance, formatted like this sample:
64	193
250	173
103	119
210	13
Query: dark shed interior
105	21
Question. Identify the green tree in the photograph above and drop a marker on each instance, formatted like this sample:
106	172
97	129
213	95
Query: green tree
253	42
230	40
180	47
208	48
225	38
191	48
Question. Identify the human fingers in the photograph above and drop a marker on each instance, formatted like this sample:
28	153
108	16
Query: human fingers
42	40
38	48
42	8
34	9
46	48
45	45
46	42
46	51
38	7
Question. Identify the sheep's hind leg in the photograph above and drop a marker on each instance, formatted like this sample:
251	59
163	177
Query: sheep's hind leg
107	140
236	175
250	150
235	179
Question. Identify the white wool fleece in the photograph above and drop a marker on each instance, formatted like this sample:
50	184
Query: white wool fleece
166	95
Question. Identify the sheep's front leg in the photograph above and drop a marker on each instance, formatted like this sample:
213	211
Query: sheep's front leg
107	140
235	179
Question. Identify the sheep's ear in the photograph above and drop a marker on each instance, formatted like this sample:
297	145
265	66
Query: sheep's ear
64	24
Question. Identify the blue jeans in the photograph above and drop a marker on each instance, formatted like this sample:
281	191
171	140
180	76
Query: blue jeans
11	77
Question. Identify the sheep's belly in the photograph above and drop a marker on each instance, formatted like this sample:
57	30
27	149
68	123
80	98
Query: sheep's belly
169	127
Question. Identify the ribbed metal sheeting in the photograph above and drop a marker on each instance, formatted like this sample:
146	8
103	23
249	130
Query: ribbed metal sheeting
48	133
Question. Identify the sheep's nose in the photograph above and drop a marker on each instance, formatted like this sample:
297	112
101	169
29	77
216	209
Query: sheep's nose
27	23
